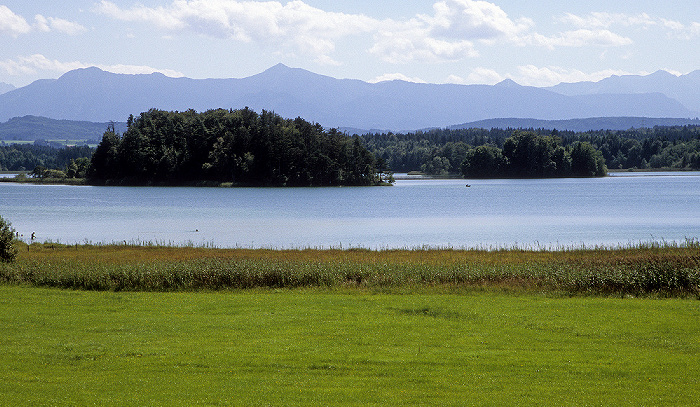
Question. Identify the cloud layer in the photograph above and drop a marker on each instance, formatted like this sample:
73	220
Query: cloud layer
452	33
449	34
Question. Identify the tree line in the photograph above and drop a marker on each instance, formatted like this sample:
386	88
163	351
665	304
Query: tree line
442	151
27	157
189	145
240	147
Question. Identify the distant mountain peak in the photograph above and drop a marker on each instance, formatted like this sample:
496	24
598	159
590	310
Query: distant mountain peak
280	66
282	72
508	83
278	69
91	72
662	73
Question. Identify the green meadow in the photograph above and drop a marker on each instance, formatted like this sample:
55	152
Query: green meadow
320	347
156	326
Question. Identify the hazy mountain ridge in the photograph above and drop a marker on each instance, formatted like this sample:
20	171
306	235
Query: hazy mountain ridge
6	87
31	128
684	88
96	96
40	128
579	125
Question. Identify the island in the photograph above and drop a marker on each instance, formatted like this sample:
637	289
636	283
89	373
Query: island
231	147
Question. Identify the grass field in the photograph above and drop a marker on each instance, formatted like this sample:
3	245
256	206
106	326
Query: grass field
129	325
344	347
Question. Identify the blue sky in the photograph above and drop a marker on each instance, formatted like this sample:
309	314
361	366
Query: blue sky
537	43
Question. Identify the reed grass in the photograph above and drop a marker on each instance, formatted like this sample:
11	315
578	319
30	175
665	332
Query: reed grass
664	269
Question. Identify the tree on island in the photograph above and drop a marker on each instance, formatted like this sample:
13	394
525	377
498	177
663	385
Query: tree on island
230	146
528	155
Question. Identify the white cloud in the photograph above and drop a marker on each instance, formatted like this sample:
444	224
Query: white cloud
454	31
673	25
300	28
136	70
326	60
396	77
295	24
531	75
456	80
11	23
33	64
415	44
44	24
485	76
41	23
29	65
448	35
15	25
606	20
580	38
473	20
526	75
158	16
682	31
598	20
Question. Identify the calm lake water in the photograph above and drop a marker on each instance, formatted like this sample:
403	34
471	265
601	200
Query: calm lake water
621	209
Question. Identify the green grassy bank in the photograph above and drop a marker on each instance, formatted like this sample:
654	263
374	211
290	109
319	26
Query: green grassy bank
130	325
45	181
342	347
666	270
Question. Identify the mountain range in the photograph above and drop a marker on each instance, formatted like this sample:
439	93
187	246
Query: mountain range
684	88
576	125
94	95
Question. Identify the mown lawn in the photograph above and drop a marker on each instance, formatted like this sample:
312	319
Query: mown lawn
342	346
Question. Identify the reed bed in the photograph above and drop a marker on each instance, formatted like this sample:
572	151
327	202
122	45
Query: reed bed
658	269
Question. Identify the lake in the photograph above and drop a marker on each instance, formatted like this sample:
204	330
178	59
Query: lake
624	208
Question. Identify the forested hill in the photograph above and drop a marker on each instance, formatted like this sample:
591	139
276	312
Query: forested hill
240	147
31	128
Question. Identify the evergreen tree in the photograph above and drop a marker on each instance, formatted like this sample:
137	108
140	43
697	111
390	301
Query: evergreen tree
8	251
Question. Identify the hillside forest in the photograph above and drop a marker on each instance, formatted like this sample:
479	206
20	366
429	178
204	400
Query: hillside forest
247	148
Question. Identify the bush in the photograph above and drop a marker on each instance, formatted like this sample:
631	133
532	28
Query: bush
8	251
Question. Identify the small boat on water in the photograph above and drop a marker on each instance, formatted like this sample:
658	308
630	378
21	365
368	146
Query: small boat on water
468	186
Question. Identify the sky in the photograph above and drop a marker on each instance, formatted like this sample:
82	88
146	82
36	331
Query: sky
534	43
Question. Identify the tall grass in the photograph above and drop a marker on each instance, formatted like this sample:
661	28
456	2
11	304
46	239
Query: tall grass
665	269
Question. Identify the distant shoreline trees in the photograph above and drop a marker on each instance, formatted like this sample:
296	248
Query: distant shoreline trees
527	155
26	157
240	147
442	151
